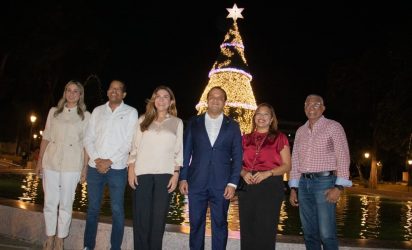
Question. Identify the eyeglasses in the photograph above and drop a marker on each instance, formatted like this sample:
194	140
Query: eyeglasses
315	105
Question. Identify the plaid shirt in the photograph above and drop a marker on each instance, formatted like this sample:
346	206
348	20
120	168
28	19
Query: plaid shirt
324	148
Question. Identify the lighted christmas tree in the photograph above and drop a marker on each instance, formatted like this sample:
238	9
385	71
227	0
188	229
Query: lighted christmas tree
230	71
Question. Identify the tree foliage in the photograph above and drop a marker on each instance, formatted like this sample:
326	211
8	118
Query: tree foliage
373	94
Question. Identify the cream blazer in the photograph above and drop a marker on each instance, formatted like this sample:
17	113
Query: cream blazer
65	134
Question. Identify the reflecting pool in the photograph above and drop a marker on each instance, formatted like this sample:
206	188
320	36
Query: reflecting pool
358	216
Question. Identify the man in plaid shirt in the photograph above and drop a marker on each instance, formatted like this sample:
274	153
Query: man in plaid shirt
320	171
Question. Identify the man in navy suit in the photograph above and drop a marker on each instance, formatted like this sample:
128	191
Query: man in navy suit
212	160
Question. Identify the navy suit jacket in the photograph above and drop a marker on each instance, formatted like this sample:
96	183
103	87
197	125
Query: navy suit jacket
207	166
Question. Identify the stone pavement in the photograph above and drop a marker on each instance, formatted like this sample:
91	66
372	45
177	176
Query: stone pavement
397	190
9	243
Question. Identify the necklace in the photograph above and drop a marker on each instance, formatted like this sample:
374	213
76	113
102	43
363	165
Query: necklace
259	145
259	142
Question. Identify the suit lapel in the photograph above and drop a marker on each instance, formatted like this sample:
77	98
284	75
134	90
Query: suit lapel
223	129
202	127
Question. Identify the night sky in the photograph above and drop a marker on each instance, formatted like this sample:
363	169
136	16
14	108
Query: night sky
290	49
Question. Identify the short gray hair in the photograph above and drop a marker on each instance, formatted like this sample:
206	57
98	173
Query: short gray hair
318	96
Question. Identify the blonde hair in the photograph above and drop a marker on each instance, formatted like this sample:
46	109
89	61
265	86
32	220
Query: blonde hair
151	112
81	106
273	127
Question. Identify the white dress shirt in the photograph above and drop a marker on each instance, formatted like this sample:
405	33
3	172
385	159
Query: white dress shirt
109	134
213	127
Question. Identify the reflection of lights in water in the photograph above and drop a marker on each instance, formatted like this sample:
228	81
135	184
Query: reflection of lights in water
358	216
283	216
370	219
83	196
341	212
233	215
406	220
22	206
176	212
30	186
185	209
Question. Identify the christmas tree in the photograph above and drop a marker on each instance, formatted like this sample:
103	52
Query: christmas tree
230	71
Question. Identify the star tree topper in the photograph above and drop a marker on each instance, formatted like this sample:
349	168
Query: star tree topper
235	12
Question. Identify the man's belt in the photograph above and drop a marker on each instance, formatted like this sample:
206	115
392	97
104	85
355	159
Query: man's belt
317	174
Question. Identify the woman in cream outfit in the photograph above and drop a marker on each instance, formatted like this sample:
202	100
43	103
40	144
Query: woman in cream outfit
62	162
154	164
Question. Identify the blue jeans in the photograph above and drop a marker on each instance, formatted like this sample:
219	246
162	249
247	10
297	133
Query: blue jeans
318	216
116	180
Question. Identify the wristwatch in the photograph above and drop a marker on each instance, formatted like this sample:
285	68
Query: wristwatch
340	187
294	188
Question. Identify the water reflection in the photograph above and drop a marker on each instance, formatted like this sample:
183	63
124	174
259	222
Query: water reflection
407	220
358	216
80	202
370	222
29	186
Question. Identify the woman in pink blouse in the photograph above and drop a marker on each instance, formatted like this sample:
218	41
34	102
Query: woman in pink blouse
266	157
154	164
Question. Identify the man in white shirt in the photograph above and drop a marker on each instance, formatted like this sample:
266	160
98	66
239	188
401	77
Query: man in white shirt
212	160
108	141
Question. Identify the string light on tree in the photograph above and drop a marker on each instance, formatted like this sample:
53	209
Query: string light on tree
231	72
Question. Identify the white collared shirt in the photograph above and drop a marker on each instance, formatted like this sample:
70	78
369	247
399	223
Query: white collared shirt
213	127
109	134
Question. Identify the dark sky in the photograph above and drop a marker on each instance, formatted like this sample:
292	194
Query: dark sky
290	49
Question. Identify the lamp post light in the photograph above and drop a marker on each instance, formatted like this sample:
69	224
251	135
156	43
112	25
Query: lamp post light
33	119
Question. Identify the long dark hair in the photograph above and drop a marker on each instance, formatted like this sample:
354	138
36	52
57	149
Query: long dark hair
273	127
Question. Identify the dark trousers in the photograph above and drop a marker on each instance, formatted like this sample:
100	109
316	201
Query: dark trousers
150	207
199	200
259	209
116	179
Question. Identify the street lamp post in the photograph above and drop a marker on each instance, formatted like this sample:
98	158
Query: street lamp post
373	177
33	119
409	163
